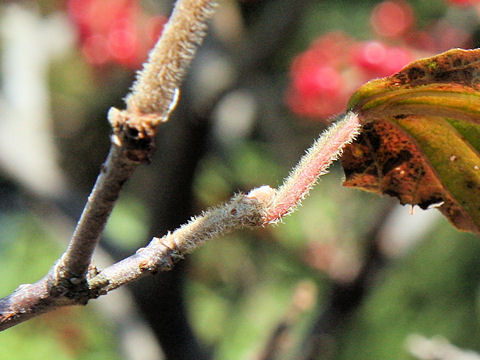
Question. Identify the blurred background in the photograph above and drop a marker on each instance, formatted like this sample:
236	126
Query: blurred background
350	275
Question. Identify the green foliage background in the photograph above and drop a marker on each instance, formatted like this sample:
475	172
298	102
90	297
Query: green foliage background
240	287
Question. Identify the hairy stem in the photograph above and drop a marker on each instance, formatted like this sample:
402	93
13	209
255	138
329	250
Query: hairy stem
313	164
153	97
156	87
260	207
162	253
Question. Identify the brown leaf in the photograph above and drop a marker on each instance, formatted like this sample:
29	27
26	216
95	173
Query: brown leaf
420	140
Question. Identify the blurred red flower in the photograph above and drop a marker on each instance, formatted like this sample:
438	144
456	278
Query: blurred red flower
392	18
114	31
325	75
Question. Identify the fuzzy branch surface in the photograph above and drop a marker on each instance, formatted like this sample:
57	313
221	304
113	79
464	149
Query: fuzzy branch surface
260	207
153	97
156	88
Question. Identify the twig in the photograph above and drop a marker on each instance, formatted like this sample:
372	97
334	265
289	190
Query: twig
253	209
156	88
152	99
75	261
134	131
315	163
162	253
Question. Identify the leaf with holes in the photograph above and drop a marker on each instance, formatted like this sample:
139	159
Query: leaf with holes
420	139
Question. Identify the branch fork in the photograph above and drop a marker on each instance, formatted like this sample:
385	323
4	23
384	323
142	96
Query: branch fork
134	133
161	254
74	279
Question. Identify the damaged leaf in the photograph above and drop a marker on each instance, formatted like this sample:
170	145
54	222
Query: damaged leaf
420	140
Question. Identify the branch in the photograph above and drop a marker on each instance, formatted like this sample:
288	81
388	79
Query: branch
74	280
153	97
162	253
116	170
156	87
259	207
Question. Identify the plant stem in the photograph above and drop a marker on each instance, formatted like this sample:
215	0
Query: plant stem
162	253
156	88
153	97
260	207
313	164
116	170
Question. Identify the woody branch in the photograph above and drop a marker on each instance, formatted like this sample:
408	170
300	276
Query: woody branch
74	280
152	99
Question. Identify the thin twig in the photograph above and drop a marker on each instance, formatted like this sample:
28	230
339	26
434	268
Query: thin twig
253	209
313	164
152	99
162	253
78	256
134	131
157	84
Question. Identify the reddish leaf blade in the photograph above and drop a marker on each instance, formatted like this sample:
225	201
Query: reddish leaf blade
421	136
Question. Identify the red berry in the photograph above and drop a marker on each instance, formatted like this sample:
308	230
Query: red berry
316	81
392	18
114	30
318	85
316	91
369	55
377	59
123	43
